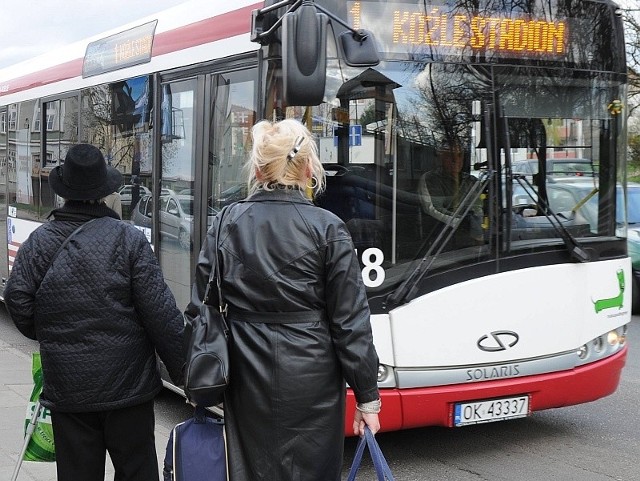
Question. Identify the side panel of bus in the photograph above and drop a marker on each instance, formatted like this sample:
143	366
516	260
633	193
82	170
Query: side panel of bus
4	177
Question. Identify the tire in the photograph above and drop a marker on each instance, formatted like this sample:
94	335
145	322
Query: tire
635	296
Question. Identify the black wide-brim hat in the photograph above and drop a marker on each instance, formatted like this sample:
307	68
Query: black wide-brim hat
84	175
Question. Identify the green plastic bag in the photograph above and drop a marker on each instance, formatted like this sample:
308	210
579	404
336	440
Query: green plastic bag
41	446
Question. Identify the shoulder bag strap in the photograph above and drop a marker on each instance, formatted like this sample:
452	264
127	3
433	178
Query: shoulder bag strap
218	273
66	241
215	269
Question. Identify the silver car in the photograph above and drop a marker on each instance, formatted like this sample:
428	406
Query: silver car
176	216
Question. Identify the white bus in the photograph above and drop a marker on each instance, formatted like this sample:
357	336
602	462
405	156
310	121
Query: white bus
491	299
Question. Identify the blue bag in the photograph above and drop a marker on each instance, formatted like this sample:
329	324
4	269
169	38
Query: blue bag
196	450
383	472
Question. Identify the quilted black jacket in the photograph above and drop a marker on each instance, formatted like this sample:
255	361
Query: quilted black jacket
281	254
100	312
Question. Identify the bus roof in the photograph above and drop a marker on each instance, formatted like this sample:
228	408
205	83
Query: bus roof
191	32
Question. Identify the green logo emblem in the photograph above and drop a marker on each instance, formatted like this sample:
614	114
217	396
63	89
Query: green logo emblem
612	302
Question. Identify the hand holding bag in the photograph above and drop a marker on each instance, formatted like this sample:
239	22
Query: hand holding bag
383	472
207	353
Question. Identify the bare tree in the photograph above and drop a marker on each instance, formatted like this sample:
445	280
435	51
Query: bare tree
631	18
632	30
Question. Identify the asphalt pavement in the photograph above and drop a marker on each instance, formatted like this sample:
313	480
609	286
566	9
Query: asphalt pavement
16	384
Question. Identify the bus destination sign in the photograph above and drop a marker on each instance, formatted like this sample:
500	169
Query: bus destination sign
440	30
124	49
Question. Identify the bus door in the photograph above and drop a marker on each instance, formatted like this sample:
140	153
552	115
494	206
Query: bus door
174	189
232	113
205	125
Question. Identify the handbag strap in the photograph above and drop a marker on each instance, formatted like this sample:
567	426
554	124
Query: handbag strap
222	305
215	273
383	472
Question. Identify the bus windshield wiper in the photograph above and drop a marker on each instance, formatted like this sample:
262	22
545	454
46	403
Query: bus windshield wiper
407	289
576	250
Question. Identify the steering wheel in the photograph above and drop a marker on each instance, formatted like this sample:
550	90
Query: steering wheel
339	169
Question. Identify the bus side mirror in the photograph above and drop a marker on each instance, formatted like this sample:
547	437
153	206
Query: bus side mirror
304	56
359	49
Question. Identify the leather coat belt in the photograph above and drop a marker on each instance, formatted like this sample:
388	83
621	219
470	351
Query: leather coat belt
290	317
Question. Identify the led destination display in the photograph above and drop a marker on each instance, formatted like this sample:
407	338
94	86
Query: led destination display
407	27
124	49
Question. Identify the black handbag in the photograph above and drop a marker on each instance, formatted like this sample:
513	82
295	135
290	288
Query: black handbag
383	472
207	352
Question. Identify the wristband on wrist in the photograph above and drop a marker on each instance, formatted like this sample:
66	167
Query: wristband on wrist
372	407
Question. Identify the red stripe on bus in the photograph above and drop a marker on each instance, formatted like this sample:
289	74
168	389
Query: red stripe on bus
205	31
49	75
222	26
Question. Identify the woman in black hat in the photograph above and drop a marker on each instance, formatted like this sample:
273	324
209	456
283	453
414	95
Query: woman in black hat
100	308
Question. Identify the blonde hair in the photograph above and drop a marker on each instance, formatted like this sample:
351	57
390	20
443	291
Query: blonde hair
280	156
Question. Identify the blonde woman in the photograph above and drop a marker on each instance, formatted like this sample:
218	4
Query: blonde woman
299	317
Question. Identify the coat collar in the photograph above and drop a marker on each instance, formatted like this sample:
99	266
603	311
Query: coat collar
76	210
286	195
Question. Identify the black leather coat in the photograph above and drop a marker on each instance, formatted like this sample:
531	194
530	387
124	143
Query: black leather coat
100	312
284	409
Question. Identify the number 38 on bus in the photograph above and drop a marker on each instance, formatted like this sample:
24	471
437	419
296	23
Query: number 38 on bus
495	292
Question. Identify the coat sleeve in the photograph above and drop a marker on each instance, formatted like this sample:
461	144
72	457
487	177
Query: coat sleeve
349	315
157	309
20	290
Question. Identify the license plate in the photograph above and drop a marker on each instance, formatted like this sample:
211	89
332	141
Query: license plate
490	410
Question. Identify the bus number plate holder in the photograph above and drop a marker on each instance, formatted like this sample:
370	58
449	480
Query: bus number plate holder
490	410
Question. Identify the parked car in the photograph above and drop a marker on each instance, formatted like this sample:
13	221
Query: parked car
176	216
231	195
126	192
566	169
565	197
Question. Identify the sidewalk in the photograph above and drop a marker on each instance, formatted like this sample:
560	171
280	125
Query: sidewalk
15	388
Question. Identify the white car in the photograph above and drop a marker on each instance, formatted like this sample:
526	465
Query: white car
126	193
176	216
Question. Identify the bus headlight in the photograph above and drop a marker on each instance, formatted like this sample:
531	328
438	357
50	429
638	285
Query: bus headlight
598	344
623	337
383	372
582	351
602	346
613	338
386	376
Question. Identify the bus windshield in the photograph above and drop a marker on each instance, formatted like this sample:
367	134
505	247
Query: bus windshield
422	136
415	148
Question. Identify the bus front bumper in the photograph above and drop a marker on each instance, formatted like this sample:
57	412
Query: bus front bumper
434	406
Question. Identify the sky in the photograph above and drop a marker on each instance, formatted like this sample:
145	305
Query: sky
33	27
